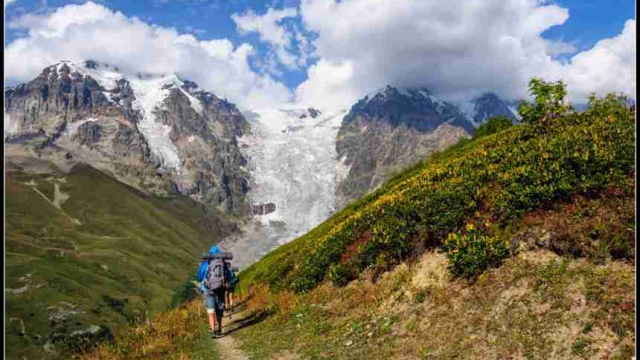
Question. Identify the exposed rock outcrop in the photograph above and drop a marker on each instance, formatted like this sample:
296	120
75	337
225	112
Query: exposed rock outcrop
264	209
88	133
391	130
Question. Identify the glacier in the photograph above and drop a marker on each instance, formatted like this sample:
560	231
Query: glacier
293	164
150	93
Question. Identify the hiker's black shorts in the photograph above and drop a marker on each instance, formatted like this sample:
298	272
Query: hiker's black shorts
214	301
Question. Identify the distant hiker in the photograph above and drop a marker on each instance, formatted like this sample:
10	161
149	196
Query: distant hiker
232	284
214	276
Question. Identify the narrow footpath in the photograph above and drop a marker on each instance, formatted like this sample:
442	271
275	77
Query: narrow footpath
227	345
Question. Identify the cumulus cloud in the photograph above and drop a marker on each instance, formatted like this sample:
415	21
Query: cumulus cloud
92	31
458	49
267	25
272	31
607	67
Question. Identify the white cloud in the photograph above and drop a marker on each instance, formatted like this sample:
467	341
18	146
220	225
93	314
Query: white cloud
271	31
458	49
92	31
560	47
609	66
305	48
331	85
8	2
267	25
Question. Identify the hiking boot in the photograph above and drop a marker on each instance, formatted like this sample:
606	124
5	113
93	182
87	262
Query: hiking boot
212	333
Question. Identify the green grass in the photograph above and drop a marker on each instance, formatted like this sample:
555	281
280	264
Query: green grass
204	348
130	247
490	181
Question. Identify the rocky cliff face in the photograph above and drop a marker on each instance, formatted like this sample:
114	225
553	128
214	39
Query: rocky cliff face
394	128
155	132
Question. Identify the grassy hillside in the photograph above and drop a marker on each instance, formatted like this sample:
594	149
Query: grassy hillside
466	199
86	254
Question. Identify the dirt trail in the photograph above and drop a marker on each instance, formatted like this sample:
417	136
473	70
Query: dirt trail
229	349
227	345
58	198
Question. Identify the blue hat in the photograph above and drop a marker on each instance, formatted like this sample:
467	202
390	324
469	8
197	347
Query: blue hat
214	250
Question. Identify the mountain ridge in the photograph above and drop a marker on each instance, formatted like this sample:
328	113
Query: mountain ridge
155	132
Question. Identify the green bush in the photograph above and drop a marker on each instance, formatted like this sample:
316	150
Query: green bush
338	274
471	252
612	104
548	103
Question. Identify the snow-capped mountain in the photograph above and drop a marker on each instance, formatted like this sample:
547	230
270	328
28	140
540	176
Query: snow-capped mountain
155	132
488	105
414	107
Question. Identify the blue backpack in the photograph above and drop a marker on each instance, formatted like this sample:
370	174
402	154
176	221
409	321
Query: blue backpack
204	265
216	277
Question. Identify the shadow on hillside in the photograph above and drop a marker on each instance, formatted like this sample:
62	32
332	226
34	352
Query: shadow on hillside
242	322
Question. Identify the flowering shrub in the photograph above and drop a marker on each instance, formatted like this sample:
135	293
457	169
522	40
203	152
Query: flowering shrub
471	252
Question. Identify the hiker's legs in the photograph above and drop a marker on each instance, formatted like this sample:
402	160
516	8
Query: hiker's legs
219	321
219	297
212	319
209	303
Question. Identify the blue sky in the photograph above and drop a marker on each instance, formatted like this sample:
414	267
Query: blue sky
592	20
332	52
589	20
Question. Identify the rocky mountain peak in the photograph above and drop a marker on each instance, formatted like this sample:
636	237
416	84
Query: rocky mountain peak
412	107
488	105
153	131
391	128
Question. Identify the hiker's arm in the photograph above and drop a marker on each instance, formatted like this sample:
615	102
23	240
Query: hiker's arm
202	287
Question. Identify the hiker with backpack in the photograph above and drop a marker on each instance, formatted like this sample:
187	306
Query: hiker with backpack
214	276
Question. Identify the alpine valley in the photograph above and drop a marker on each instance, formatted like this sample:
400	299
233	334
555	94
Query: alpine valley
117	181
